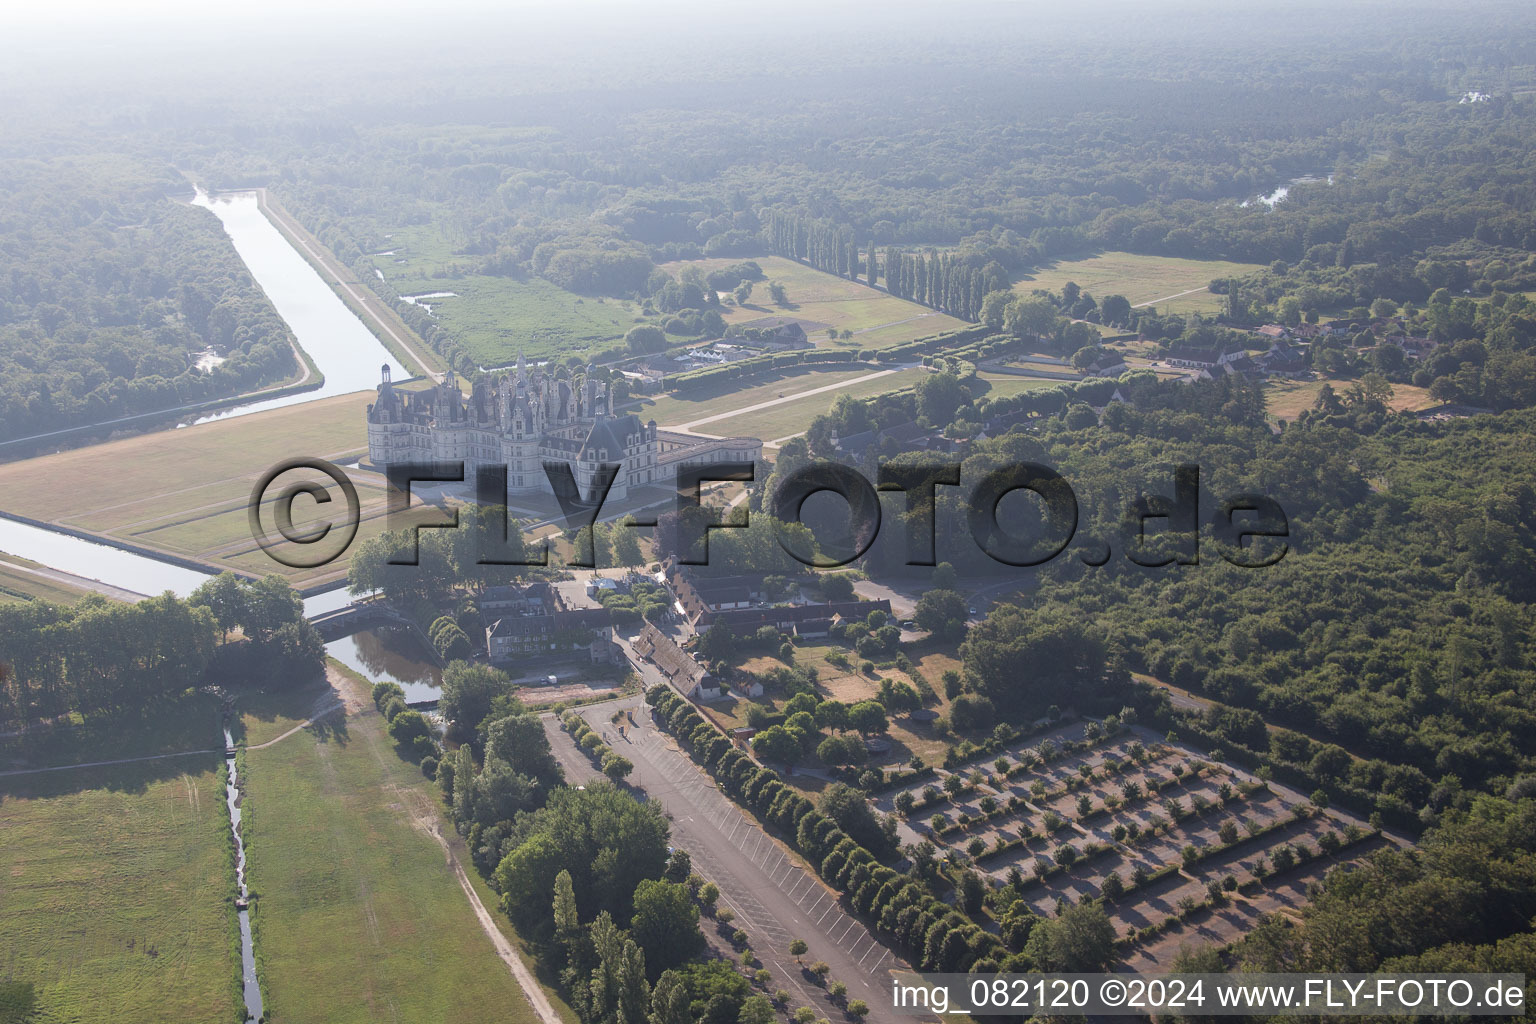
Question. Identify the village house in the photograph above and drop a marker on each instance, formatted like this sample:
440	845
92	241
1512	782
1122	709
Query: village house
682	670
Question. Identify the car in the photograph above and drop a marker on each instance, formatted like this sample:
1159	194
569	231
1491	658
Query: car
973	611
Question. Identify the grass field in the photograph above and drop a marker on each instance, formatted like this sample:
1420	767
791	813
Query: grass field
1287	399
117	883
794	415
1002	385
357	915
823	301
496	317
186	491
1155	280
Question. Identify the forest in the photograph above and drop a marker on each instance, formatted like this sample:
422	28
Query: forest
111	288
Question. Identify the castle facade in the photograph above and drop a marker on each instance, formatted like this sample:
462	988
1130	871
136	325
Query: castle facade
522	419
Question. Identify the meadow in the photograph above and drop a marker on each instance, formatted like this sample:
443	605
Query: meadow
1167	283
117	882
674	410
358	916
823	301
494	318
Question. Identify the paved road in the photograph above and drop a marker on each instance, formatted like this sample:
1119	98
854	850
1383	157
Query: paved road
774	898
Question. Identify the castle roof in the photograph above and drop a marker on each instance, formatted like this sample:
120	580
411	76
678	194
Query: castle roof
605	441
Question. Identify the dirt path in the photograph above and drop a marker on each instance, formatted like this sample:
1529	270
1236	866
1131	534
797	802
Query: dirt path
1165	298
298	728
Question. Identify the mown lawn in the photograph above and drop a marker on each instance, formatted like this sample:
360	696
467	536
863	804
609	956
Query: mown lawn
700	403
793	417
186	491
1157	280
358	916
117	883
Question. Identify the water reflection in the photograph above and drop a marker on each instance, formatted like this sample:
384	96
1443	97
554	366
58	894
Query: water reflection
391	654
343	349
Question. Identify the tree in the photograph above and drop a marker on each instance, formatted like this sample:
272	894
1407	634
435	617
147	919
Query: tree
679	866
224	596
971	712
617	767
521	742
777	744
972	891
853	814
1030	318
626	543
1115	310
665	924
449	640
798	948
270	603
756	1010
567	919
943	613
608	841
467	693
837	586
867	716
670	1000
778	294
644	339
1081	940
831	714
617	991
842	750
938	396
407	726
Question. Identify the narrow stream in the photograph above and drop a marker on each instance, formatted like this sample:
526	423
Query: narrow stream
247	947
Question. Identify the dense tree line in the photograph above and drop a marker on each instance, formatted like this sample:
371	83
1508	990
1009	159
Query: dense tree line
102	656
953	282
109	291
